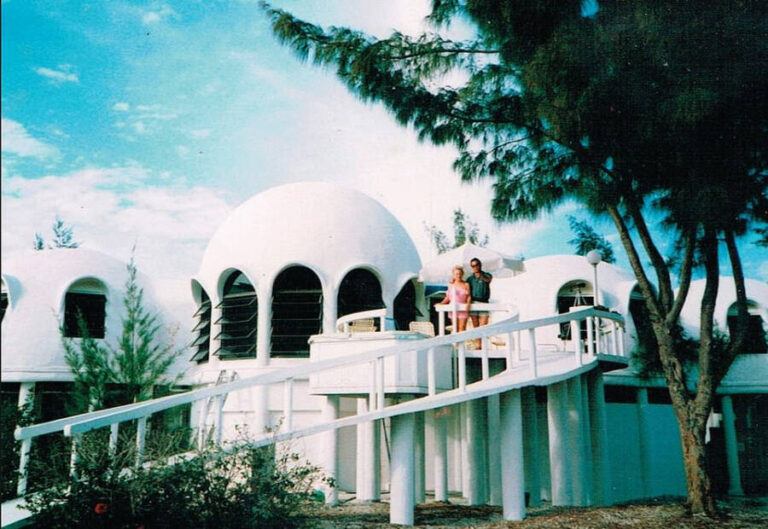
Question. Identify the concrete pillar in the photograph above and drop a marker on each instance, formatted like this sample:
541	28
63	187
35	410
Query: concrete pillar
474	437
531	445
264	325
644	442
512	474
436	425
368	474
544	471
601	475
557	426
330	451
580	443
494	452
731	448
419	455
402	472
330	309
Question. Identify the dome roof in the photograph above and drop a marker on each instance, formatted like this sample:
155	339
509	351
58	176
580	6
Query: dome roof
36	283
325	227
757	294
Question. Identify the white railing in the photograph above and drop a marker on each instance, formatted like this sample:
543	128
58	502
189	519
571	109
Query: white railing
344	323
516	358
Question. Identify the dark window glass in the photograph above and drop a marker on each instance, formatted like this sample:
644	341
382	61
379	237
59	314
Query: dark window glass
91	308
202	342
3	305
239	318
359	291
405	307
755	342
620	394
659	396
297	311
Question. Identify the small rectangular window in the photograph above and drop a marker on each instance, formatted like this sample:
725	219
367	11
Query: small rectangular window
91	308
620	394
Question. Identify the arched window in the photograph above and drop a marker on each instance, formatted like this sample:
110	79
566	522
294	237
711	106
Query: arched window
755	342
85	309
405	306
297	311
359	291
573	294
202	329
3	299
239	319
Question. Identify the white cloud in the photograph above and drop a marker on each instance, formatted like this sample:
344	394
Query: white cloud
113	208
155	16
182	151
62	75
121	106
762	271
139	127
16	140
200	133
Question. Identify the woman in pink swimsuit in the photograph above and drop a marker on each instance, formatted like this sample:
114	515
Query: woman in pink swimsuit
458	291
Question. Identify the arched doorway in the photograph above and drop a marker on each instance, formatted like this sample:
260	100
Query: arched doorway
297	311
575	293
202	329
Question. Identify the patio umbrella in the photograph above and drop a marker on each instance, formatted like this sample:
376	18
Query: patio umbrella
438	270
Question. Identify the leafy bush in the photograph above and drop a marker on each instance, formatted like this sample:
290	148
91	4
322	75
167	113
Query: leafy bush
238	488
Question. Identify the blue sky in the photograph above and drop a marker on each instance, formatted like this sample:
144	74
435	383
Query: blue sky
148	122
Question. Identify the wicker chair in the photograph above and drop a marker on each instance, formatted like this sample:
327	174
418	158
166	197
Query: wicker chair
424	327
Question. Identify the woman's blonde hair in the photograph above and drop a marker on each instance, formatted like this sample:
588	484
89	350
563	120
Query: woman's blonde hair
458	267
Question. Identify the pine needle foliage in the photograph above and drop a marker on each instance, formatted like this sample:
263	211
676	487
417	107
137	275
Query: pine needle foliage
587	239
624	107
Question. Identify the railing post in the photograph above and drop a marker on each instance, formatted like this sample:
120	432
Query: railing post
590	337
21	485
431	382
509	351
141	438
621	340
615	336
441	323
462	367
380	372
578	344
288	403
518	347
532	342
74	456
598	335
484	363
219	420
114	429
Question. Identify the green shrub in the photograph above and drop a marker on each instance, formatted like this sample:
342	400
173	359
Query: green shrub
241	487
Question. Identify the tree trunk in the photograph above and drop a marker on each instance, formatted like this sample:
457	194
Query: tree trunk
700	497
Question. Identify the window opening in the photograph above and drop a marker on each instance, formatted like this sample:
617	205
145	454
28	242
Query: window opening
239	319
3	300
202	330
85	301
755	341
573	294
297	311
359	291
405	307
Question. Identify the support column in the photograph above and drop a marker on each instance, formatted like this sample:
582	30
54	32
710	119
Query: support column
581	446
260	407
531	446
512	473
557	425
731	448
644	441
330	309
402	472
494	451
26	393
419	455
264	325
368	475
330	463
474	437
601	486
437	426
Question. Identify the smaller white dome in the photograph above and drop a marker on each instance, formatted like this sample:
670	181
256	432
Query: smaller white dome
37	282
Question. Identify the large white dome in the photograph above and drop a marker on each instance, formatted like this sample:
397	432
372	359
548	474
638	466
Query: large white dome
325	227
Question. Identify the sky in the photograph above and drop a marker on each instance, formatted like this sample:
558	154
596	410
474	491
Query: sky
147	123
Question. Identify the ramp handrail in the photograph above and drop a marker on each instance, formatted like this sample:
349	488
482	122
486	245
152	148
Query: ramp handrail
77	425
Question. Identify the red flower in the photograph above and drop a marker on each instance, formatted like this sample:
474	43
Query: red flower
100	508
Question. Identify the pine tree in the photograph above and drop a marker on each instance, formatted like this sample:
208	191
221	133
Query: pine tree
587	239
464	230
626	107
63	235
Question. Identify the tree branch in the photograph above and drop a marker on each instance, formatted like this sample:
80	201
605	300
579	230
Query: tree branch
738	337
686	267
706	383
